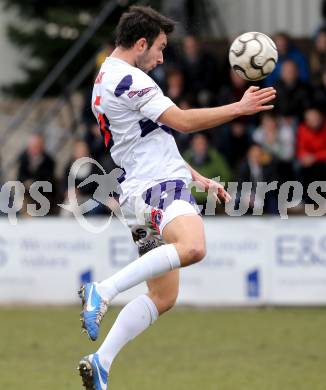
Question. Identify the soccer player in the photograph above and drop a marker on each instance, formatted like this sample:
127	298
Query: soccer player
136	118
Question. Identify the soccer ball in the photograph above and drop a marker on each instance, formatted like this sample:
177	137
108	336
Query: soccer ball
253	56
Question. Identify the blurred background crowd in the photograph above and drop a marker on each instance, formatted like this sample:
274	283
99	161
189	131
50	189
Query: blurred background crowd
286	144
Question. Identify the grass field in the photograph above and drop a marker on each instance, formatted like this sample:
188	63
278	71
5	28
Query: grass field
240	349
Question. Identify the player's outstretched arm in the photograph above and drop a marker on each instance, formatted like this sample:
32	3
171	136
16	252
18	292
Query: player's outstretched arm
187	121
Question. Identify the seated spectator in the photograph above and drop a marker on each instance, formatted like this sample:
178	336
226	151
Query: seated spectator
292	94
318	57
200	69
87	191
235	141
288	51
257	167
207	161
277	139
35	164
311	148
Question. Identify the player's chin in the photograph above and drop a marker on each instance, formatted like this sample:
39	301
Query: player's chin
146	69
153	67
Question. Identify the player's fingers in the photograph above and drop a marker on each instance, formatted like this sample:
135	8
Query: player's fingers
265	94
224	195
227	197
266	100
252	88
266	108
215	198
265	90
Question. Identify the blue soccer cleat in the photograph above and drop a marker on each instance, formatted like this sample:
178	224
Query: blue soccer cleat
94	376
94	308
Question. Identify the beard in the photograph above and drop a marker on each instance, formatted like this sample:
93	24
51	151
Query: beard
142	63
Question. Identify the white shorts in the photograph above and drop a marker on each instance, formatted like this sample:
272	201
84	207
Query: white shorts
147	215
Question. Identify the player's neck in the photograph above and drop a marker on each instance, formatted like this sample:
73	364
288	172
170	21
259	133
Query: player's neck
124	55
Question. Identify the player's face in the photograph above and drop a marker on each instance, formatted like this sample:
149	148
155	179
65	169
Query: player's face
150	58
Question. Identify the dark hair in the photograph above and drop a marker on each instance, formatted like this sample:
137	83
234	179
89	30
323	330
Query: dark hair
141	22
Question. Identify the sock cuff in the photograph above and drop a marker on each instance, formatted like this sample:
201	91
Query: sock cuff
173	256
151	307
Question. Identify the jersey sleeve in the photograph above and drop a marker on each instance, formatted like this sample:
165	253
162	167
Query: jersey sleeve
145	96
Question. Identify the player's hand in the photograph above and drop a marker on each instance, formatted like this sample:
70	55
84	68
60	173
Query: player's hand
218	192
254	100
215	189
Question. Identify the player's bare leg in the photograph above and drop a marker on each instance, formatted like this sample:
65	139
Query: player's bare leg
187	233
163	291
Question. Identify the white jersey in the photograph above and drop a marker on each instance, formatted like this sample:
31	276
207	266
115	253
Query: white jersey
127	104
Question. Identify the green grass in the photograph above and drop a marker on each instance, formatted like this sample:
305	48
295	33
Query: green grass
241	349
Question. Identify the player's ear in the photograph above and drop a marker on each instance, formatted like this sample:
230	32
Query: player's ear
141	44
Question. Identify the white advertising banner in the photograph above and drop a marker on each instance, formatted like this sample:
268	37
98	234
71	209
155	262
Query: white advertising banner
250	261
233	271
297	266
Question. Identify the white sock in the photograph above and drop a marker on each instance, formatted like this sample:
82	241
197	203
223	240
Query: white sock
133	319
152	264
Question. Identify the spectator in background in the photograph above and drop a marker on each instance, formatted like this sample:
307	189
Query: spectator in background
235	142
200	69
175	85
278	140
233	91
257	167
230	94
288	51
207	161
319	93
87	191
318	57
35	164
311	147
292	93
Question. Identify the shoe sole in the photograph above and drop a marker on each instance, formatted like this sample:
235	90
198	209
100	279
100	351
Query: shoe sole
86	373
